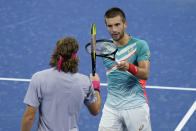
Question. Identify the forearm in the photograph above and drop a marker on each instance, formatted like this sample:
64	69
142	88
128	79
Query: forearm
28	118
141	72
98	101
95	107
27	124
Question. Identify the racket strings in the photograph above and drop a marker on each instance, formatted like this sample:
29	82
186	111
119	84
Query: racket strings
103	48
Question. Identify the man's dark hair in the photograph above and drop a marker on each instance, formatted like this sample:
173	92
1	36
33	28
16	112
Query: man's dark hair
66	48
115	11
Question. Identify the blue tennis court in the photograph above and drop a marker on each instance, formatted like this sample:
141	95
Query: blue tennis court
29	30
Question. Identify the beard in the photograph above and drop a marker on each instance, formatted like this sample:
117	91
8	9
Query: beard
118	38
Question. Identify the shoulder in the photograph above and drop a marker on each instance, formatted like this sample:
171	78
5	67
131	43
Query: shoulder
83	80
42	73
82	77
140	42
141	45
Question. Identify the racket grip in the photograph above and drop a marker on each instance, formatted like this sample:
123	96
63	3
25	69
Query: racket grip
93	65
93	72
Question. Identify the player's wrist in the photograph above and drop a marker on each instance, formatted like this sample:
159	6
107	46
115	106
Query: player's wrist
133	69
96	85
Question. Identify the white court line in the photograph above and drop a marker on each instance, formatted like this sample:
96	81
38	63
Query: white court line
105	84
186	117
171	88
15	79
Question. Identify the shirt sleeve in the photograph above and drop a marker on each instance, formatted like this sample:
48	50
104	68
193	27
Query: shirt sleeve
33	95
143	52
90	97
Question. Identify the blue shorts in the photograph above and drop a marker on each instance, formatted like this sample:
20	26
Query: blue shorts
136	119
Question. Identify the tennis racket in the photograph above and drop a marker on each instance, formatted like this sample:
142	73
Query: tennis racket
92	47
103	48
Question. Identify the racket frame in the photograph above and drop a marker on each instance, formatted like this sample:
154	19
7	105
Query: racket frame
103	55
93	53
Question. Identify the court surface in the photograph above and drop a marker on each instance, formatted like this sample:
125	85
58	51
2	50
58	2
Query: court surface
29	30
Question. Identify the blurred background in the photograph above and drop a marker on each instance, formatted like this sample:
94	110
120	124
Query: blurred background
29	31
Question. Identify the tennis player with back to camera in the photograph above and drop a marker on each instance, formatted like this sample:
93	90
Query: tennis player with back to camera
126	107
59	92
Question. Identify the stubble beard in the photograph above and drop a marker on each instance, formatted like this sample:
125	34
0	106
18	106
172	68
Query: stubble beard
120	37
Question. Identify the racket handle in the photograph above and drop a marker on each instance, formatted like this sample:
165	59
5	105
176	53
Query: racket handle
93	65
93	72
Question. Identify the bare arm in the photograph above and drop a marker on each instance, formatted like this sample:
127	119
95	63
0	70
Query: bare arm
28	118
143	68
95	107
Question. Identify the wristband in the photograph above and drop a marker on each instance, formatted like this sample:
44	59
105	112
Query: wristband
133	69
96	85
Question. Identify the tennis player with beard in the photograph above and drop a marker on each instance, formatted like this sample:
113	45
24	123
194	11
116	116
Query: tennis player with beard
126	107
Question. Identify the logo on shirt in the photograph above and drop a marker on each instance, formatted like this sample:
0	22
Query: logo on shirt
130	50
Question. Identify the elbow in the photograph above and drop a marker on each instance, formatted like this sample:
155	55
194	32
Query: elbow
95	112
145	77
96	109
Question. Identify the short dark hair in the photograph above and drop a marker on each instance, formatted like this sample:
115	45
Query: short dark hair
115	11
66	48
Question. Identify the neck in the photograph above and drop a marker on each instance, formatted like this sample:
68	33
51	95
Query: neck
123	41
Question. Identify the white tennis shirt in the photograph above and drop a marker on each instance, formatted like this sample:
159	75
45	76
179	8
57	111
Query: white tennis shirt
59	97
